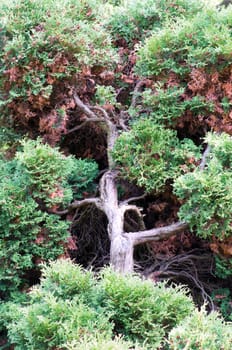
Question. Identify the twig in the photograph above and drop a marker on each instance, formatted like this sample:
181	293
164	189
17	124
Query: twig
78	204
133	199
78	127
84	107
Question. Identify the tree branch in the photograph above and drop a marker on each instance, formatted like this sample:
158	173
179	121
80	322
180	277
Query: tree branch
85	109
78	204
78	127
204	158
132	199
157	234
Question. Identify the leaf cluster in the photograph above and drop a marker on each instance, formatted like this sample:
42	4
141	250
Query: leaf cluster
207	194
181	46
74	309
39	177
45	43
130	22
151	155
165	106
201	331
71	307
222	298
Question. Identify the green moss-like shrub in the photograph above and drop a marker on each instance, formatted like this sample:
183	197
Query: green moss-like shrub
143	311
131	21
75	309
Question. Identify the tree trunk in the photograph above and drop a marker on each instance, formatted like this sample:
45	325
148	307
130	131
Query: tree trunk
121	254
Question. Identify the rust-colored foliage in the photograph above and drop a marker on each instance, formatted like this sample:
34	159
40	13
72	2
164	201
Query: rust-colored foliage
216	87
222	248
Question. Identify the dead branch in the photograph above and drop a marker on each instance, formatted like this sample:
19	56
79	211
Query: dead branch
78	127
84	108
133	199
156	234
204	158
79	204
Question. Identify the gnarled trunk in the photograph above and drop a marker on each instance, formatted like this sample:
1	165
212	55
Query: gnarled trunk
121	254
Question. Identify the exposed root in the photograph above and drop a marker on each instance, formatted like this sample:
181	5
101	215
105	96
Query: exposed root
193	268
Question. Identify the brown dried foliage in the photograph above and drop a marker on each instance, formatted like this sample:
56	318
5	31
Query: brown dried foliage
214	86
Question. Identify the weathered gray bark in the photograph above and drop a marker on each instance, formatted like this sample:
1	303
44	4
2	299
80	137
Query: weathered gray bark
122	243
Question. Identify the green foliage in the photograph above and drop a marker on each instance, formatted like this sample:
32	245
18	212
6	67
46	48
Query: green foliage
207	194
151	155
223	267
132	21
74	309
52	175
26	233
201	331
71	309
47	170
65	280
48	41
100	343
167	105
223	299
52	322
37	177
179	47
81	176
105	95
8	141
142	311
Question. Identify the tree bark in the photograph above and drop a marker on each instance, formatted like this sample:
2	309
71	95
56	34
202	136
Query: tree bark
122	243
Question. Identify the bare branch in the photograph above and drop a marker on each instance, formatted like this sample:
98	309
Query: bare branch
157	234
204	158
78	127
112	133
85	109
102	110
132	199
79	204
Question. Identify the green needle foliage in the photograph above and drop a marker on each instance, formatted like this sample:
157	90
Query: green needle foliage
131	22
165	106
39	177
201	331
44	42
151	155
74	309
207	194
141	311
179	47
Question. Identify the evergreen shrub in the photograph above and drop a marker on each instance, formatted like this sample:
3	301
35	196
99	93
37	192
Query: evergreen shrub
131	22
75	309
151	155
37	179
207	195
72	309
201	331
179	47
